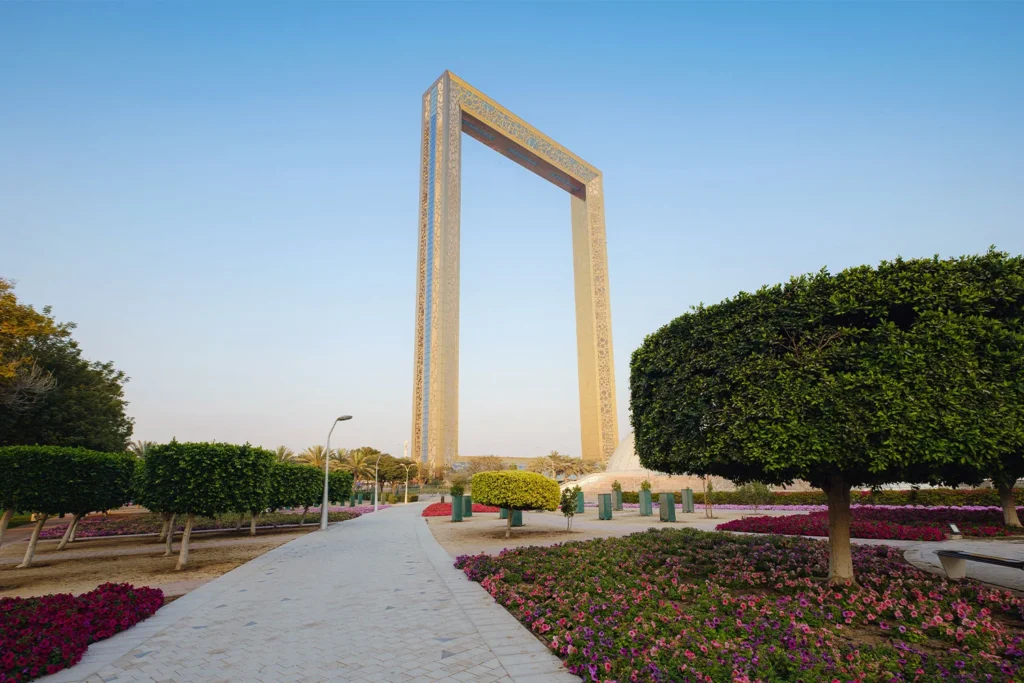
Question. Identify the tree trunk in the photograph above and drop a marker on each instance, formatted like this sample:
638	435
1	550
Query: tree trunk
238	527
74	528
169	540
163	528
1009	504
840	553
508	526
183	556
252	523
66	538
305	511
31	550
4	521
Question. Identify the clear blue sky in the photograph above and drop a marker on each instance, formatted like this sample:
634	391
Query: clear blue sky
223	195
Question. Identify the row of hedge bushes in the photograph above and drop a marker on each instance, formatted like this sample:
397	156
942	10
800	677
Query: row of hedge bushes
189	479
928	497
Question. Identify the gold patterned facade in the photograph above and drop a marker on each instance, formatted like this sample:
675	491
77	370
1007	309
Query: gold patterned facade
452	107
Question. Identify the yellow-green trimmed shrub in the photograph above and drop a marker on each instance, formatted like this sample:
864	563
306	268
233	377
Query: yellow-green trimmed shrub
515	490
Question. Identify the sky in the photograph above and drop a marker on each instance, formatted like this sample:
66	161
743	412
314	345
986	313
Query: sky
223	195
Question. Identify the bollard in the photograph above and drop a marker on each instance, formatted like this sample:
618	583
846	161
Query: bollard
456	508
517	518
467	506
359	498
667	507
646	508
687	500
503	513
580	506
617	500
604	506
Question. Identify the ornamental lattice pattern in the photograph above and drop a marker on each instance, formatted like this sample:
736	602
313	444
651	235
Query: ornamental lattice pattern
451	107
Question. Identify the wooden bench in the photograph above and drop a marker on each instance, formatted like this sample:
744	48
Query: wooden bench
954	562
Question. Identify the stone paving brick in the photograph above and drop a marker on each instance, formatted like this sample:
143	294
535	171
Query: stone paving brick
374	599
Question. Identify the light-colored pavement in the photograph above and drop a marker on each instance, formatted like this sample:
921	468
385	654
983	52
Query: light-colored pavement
374	599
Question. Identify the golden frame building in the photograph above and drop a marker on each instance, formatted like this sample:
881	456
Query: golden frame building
452	107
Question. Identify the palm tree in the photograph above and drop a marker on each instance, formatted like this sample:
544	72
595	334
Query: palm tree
140	448
284	454
314	455
338	458
359	463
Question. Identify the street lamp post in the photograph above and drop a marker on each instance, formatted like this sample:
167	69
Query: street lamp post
406	481
327	464
375	482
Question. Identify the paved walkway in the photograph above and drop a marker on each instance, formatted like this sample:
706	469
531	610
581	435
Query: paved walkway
374	599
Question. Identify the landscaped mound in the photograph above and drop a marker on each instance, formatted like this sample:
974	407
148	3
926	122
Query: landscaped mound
685	605
907	524
40	636
125	525
445	509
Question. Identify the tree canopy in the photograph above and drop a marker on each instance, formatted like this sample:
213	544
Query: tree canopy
49	394
875	375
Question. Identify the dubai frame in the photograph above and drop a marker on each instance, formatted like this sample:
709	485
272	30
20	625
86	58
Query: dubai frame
452	107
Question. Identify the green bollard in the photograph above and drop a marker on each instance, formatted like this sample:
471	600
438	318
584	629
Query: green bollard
646	508
456	508
467	506
617	501
359	498
503	513
580	506
517	518
687	500
352	499
667	507
604	506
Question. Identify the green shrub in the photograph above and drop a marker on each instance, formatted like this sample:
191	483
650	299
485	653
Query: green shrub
339	486
616	486
515	490
295	486
458	489
56	480
755	493
645	485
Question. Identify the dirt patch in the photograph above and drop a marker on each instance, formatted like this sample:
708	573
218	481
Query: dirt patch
138	561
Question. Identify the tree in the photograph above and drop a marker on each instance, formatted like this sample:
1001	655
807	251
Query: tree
755	494
515	491
315	456
568	504
485	463
836	380
96	482
284	454
85	408
252	492
140	448
22	381
204	479
356	463
295	486
339	486
51	480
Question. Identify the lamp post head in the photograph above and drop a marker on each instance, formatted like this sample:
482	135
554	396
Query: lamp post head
342	418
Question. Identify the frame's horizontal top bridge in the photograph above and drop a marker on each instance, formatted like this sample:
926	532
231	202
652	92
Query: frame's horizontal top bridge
475	128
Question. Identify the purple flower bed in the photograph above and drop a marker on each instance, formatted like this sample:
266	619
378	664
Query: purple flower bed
685	605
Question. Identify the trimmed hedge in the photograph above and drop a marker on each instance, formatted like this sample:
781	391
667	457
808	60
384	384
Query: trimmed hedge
926	497
515	490
59	480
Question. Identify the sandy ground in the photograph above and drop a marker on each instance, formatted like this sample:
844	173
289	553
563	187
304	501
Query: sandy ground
485	533
137	560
